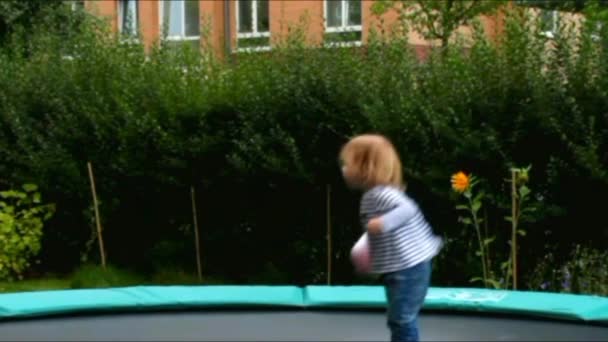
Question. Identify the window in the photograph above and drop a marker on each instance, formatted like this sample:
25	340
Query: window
547	12
253	24
72	25
77	5
180	20
127	17
343	20
548	22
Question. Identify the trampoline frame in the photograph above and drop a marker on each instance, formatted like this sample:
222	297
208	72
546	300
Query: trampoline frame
79	305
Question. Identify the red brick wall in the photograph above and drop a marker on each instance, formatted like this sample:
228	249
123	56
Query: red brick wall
282	14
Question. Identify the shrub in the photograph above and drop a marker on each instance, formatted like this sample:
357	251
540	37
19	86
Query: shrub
582	272
22	217
259	138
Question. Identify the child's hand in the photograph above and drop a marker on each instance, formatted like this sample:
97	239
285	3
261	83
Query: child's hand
374	226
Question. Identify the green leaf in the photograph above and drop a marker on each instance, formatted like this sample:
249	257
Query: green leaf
479	197
521	232
489	240
30	187
476	206
494	283
381	6
524	191
462	207
465	220
508	219
476	279
12	194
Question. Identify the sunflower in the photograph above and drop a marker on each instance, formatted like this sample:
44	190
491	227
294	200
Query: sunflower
460	182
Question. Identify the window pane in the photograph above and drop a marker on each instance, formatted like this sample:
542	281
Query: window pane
546	21
245	9
132	17
263	23
334	13
128	12
180	44
192	18
172	17
354	12
124	14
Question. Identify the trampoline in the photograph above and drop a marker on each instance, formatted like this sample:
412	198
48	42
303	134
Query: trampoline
275	313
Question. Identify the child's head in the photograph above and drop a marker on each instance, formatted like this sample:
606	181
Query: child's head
369	160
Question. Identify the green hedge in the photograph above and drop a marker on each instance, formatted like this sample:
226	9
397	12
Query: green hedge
259	138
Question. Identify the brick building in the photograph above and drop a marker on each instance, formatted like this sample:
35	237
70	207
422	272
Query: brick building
251	24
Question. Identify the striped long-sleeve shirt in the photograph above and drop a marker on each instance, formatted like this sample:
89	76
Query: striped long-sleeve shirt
406	238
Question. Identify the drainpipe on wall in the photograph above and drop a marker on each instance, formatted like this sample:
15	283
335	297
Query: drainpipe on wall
227	33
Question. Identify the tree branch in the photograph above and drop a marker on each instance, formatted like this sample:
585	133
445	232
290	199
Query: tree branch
431	20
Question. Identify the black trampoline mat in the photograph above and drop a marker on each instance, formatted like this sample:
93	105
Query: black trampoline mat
288	326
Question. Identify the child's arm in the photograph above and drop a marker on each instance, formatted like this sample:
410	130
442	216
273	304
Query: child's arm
403	212
398	216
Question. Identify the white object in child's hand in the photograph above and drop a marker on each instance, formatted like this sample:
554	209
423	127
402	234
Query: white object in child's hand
360	255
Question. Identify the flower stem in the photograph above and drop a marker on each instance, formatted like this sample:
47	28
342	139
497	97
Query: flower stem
487	248
514	219
481	248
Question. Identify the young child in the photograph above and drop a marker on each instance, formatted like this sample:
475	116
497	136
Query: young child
401	242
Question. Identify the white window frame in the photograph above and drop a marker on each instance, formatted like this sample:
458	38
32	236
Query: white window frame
254	24
121	17
344	27
183	36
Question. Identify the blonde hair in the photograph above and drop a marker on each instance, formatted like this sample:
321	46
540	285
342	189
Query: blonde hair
372	160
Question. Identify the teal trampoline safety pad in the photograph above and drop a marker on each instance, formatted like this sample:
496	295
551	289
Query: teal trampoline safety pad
550	305
345	296
540	304
145	298
554	305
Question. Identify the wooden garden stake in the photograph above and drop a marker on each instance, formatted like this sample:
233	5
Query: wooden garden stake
514	219
97	216
329	251
196	234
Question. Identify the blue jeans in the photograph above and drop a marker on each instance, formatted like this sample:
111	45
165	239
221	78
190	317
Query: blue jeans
405	292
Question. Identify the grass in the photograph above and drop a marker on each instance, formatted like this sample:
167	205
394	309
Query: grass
35	285
93	276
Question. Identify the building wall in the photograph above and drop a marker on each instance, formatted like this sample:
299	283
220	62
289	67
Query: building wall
282	14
